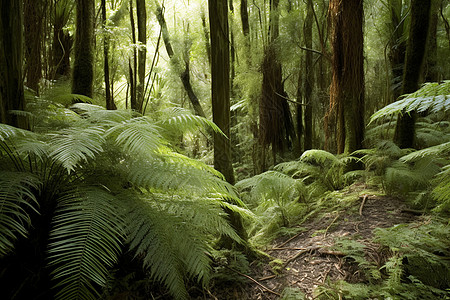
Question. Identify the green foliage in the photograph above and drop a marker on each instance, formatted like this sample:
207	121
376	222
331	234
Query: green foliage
431	98
110	179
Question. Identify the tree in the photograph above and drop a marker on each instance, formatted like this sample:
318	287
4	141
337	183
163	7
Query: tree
415	53
275	120
220	89
347	88
308	78
108	95
11	57
83	67
33	28
142	51
184	75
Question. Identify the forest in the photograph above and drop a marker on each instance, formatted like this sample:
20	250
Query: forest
214	149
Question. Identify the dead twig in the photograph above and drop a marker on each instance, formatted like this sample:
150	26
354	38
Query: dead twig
290	239
326	230
362	203
286	248
267	277
255	281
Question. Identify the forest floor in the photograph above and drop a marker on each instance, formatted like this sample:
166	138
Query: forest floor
308	260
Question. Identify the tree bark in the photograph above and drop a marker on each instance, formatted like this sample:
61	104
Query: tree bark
308	79
132	66
415	53
347	88
11	59
33	28
397	46
220	87
109	100
83	68
142	51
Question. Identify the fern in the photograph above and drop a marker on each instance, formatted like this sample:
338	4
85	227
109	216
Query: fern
84	242
16	201
432	97
129	186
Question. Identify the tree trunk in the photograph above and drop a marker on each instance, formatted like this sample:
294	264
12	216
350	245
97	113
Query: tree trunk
33	27
109	100
83	68
132	66
308	79
206	35
276	127
347	88
432	73
220	81
185	75
11	59
142	51
415	53
397	46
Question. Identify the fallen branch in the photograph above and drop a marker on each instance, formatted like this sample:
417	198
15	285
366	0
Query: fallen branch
290	239
267	277
255	281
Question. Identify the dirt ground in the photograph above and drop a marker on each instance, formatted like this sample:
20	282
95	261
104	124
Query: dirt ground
308	259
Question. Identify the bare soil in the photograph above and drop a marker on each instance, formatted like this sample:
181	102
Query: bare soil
308	259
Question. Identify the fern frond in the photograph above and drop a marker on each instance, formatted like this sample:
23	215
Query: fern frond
73	145
434	152
138	136
178	120
170	246
320	157
10	132
17	197
98	114
441	191
84	242
432	97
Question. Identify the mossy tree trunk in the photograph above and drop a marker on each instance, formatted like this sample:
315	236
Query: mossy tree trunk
220	87
83	67
11	59
275	119
347	88
62	40
415	53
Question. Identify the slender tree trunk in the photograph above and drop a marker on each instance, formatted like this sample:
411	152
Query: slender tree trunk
11	58
415	53
308	79
220	80
33	28
184	75
132	63
83	68
347	88
206	35
142	52
109	100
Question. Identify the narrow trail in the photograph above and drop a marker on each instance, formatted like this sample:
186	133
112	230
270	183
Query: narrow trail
308	259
